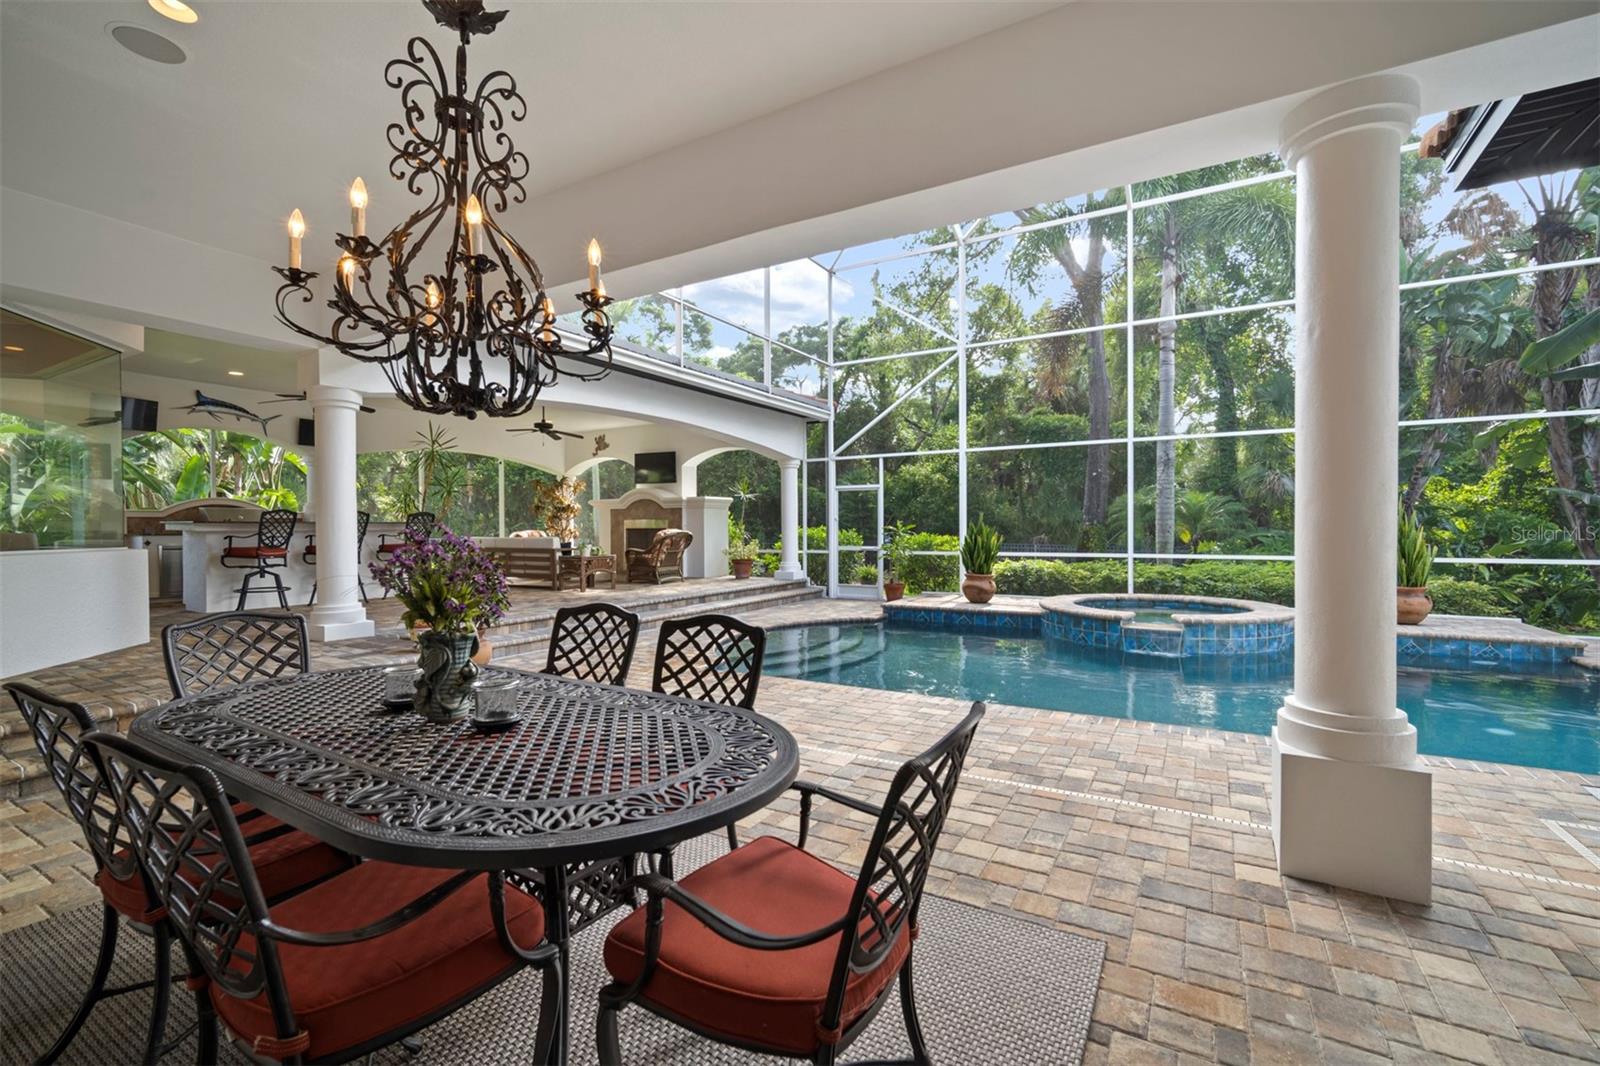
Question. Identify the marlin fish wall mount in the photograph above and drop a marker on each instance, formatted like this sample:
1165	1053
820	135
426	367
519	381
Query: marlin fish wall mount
215	409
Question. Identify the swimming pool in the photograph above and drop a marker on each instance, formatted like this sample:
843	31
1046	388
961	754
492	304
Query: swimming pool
1537	717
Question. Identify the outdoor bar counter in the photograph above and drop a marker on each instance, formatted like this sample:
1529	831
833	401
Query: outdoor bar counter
209	586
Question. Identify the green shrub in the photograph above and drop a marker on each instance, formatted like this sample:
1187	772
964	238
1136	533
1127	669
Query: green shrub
817	541
930	573
863	575
1270	582
1456	596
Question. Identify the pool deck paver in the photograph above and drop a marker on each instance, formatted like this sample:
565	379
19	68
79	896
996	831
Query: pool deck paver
1155	839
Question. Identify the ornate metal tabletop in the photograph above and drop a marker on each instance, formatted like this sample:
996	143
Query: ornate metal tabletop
591	772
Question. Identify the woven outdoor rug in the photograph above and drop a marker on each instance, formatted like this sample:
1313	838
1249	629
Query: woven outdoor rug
992	988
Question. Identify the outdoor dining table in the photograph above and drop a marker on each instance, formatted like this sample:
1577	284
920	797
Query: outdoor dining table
592	774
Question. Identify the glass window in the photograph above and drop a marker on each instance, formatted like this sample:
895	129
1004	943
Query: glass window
1230	372
1048	390
1229	248
1047	280
1229	496
60	437
1041	501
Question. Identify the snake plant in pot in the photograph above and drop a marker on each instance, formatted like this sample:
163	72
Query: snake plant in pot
1414	560
979	550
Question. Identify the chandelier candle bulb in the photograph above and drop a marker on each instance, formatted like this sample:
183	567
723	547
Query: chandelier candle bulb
347	269
297	230
594	265
474	216
358	208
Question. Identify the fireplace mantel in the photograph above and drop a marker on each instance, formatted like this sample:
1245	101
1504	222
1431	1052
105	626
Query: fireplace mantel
704	516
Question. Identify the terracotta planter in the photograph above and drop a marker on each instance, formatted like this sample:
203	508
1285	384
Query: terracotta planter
742	567
485	650
893	590
1412	604
978	588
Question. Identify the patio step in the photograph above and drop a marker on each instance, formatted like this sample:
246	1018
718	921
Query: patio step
533	634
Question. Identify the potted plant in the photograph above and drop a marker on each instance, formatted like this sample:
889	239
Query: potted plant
979	550
1414	561
556	504
449	587
896	553
742	554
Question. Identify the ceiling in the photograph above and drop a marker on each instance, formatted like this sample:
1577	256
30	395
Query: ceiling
280	104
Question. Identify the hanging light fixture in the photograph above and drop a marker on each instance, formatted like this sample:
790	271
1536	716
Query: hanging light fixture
447	302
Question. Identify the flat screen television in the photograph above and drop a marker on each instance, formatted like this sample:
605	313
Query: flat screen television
655	468
139	416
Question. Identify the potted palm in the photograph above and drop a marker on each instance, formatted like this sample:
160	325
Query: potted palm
896	553
1414	561
742	554
980	548
450	588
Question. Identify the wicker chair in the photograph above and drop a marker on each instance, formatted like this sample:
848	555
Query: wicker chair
772	949
286	860
346	967
662	561
593	642
232	648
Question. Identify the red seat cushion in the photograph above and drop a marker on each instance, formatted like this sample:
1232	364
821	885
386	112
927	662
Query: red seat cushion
347	995
311	549
389	547
284	862
252	552
770	998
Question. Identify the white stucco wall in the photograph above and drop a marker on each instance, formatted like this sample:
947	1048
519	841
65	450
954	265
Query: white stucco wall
60	605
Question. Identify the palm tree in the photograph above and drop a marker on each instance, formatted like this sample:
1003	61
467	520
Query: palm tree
1087	277
1254	223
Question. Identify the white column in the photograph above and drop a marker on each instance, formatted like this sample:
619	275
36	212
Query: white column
1351	803
789	568
338	613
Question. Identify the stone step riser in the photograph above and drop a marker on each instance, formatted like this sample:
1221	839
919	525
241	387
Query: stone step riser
523	640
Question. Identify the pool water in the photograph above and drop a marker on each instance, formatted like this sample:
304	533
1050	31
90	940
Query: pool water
1151	612
1545	718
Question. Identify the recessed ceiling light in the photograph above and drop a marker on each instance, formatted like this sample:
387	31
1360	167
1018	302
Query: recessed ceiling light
176	10
13	347
236	373
147	44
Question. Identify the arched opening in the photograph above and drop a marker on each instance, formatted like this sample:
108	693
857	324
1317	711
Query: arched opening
751	480
602	478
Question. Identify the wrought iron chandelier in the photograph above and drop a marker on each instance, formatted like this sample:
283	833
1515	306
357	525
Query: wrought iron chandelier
440	328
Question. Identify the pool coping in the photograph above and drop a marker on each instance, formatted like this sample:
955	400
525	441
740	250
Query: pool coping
1462	640
1251	612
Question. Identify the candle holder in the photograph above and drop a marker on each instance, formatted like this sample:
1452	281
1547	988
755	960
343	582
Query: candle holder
361	247
296	277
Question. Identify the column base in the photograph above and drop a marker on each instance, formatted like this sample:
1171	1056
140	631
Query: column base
344	622
787	573
1354	825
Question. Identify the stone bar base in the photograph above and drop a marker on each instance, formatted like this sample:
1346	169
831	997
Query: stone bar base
1355	825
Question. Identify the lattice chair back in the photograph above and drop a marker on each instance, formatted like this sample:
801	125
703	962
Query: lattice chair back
888	892
419	526
59	729
276	529
711	657
593	642
363	520
185	837
221	650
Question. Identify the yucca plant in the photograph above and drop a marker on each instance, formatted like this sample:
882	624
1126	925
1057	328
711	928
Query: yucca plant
1414	559
980	548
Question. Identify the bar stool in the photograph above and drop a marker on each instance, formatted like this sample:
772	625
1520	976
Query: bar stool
419	527
309	556
270	552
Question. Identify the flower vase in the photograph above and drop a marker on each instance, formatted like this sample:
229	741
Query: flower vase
445	675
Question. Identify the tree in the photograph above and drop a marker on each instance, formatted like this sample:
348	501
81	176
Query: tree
1087	277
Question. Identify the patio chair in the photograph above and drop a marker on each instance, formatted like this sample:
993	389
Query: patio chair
309	556
270	553
233	648
662	561
711	657
593	642
419	527
772	949
344	968
286	859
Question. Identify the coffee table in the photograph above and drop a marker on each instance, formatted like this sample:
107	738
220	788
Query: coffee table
583	569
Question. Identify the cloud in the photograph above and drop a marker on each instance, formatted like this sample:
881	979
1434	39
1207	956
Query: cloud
799	296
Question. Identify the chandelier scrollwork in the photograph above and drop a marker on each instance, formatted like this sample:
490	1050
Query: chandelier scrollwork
442	328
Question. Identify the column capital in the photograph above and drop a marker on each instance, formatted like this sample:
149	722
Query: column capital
333	396
789	464
1391	101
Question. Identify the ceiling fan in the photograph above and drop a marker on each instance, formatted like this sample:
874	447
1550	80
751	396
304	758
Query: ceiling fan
545	426
300	397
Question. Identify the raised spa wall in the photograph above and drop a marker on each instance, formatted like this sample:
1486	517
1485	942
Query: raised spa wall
1250	628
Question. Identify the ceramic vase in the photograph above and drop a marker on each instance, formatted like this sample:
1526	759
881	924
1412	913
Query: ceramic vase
445	675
